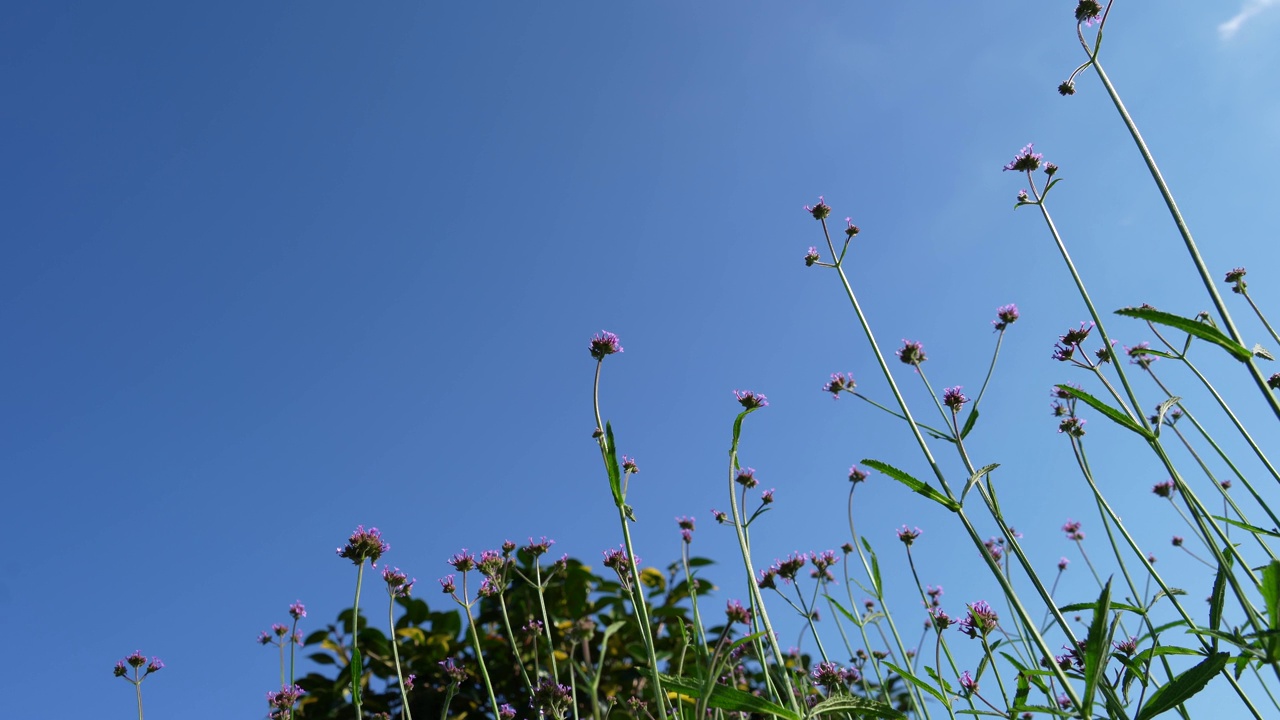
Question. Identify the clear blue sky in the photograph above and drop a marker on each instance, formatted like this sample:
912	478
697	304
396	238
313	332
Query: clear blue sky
271	270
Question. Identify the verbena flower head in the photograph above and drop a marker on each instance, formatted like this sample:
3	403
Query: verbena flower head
736	613
719	515
1088	11
822	564
448	585
298	610
1236	277
605	343
839	383
820	211
911	352
967	683
155	665
908	535
939	619
364	545
831	676
492	563
629	465
1062	564
790	567
1067	88
850	229
1026	160
552	697
463	561
811	257
1006	315
746	477
1140	355
766	496
995	546
398	584
934	593
281	703
857	474
954	399
279	630
1177	541
539	548
120	669
981	621
1164	489
1076	336
1024	196
1127	647
506	712
137	659
1273	382
616	559
750	400
1072	426
686	529
264	638
453	670
1072	529
1050	169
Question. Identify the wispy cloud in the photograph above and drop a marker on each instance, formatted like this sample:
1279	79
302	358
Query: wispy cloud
1228	29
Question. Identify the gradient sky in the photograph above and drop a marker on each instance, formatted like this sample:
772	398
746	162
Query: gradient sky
273	270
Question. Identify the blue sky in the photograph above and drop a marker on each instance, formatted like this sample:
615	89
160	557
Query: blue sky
274	270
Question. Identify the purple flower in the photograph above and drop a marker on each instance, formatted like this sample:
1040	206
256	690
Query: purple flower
720	515
1072	426
364	545
282	702
685	523
821	211
154	665
298	610
822	564
506	712
447	585
912	352
279	630
851	229
746	478
736	613
830	675
980	621
788	569
766	497
1006	315
264	638
968	683
908	535
1026	160
1076	336
750	400
1088	12
463	561
492	563
1164	489
839	383
616	559
551	696
811	257
398	584
606	343
629	465
1062	564
539	548
1127	647
1140	355
940	619
1177	541
857	474
136	660
453	670
1072	529
954	399
1023	196
120	671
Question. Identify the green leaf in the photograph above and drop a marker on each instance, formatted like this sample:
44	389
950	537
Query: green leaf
861	707
918	683
848	615
1164	408
611	464
914	484
1096	644
974	478
1246	526
1184	686
1205	332
1077	607
726	698
969	422
1218	596
1265	354
1117	416
1271	596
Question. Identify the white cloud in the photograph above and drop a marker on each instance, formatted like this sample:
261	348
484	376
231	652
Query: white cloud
1228	29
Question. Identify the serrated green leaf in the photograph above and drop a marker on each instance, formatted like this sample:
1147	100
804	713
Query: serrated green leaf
1218	596
1205	332
1096	644
915	485
1163	409
1184	686
1246	526
726	698
918	683
611	465
1077	607
1115	415
974	478
861	707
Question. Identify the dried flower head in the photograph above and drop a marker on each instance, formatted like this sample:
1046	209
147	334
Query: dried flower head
1088	11
1067	88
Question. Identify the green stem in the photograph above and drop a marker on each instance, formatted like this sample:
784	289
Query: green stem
395	653
1263	318
356	674
475	644
1185	232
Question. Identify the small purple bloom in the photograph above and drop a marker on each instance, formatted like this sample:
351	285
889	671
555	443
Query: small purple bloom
750	400
539	548
967	682
720	515
1026	160
1072	426
1072	529
839	383
1165	489
506	712
980	621
857	474
364	545
954	399
298	610
912	352
821	211
1006	315
606	343
851	229
908	535
811	257
1062	564
746	478
398	584
736	613
629	465
766	497
447	585
453	670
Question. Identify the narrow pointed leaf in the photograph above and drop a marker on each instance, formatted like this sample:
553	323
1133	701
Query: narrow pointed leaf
1246	526
1184	686
974	478
726	698
915	485
918	683
356	673
1205	332
611	464
1120	418
859	707
1095	645
1259	351
969	422
1164	408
